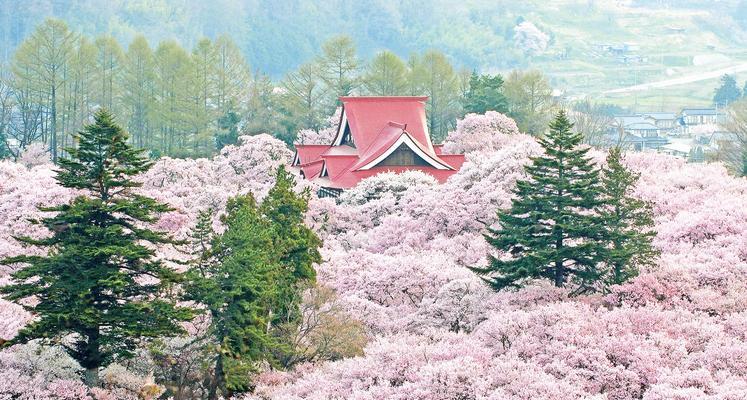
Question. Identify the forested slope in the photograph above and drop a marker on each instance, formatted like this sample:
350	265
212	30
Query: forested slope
277	36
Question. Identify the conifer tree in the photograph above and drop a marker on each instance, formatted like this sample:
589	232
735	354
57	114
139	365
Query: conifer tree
550	231
99	284
298	244
485	94
251	278
627	221
236	286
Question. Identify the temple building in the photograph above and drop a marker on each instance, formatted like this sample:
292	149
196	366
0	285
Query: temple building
375	135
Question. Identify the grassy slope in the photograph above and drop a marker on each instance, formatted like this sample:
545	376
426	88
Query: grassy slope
670	54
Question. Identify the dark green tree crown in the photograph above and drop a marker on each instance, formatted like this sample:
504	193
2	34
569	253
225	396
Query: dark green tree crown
103	162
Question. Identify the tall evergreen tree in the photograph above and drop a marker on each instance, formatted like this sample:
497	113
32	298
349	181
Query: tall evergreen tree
628	222
99	281
485	93
728	92
251	280
550	231
297	243
235	283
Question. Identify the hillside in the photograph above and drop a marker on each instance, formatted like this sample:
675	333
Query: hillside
663	42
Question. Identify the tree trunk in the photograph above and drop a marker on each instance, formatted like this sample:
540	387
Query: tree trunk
92	357
53	142
92	377
218	378
559	275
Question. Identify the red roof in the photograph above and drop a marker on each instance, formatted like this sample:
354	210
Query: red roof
377	126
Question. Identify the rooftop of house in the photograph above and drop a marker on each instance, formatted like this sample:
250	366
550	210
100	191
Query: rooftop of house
660	115
699	111
642	126
376	134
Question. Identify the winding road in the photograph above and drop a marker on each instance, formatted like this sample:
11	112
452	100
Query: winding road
680	81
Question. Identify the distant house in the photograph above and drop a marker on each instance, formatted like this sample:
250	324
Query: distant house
698	116
639	132
663	120
689	149
689	118
375	135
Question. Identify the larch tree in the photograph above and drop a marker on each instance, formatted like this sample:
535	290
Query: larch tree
338	66
41	60
386	75
138	86
432	75
173	73
80	87
304	98
551	232
233	74
530	100
109	59
204	60
98	290
627	220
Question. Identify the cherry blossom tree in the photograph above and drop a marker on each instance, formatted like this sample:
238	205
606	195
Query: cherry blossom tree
530	39
395	255
480	132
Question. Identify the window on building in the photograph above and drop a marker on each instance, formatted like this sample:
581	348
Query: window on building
403	156
347	138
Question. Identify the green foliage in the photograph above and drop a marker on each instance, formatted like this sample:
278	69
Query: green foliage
728	92
305	100
485	94
530	100
550	232
628	222
250	279
39	64
228	129
431	74
338	65
99	280
170	98
386	75
298	244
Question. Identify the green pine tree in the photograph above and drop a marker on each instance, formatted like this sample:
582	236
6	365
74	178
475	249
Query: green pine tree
228	129
485	94
298	245
628	222
550	231
99	281
727	92
237	286
251	279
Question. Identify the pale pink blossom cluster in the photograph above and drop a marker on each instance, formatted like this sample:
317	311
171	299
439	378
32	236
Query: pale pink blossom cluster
481	132
324	135
398	262
530	39
396	251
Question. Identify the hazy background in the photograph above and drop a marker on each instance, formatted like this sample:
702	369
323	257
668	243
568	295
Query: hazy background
669	39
